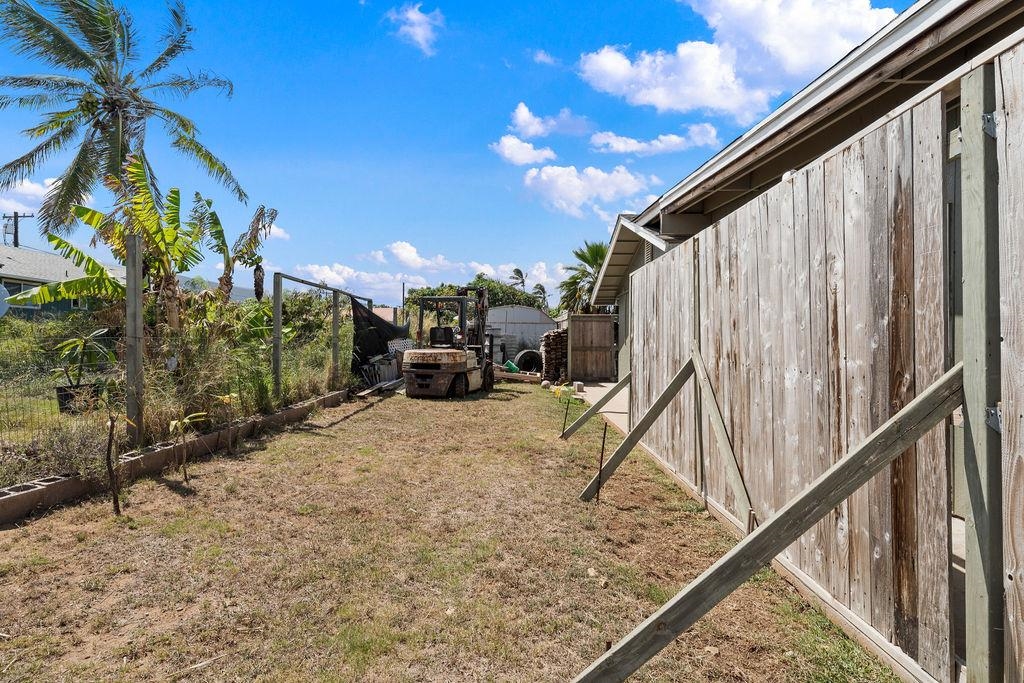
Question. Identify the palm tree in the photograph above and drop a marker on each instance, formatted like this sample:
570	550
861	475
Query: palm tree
541	292
518	278
101	105
578	289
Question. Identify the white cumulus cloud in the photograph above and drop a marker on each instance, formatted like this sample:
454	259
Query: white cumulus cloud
760	50
519	152
417	27
26	196
279	233
380	286
529	125
797	38
697	135
570	191
409	256
543	57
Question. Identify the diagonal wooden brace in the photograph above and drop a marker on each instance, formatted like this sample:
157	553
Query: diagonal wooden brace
637	433
598	404
732	466
787	525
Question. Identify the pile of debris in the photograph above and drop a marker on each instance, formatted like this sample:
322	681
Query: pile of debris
554	351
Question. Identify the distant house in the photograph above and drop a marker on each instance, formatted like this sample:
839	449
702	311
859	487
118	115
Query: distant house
23	268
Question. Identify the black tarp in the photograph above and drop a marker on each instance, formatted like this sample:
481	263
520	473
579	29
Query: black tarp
371	334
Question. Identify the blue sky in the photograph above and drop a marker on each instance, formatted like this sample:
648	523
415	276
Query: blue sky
425	142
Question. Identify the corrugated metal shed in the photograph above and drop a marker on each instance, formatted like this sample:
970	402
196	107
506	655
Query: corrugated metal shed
518	327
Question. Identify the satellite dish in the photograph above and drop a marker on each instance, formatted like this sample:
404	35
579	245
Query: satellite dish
4	306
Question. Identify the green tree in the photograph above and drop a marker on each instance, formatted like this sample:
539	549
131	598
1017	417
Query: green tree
518	279
578	289
101	103
541	292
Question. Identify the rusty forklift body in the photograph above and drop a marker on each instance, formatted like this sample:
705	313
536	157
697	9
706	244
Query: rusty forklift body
456	360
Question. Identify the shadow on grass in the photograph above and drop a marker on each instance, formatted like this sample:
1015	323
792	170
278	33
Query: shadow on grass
177	486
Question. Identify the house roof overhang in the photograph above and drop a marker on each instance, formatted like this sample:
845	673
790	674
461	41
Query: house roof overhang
918	47
627	239
907	56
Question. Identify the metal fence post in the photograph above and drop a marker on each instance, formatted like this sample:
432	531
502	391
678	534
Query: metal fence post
134	340
336	342
278	310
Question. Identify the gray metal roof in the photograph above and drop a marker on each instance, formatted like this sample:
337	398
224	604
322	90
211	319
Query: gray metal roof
33	265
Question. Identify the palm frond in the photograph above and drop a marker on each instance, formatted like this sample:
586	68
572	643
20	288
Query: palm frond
56	84
54	121
36	101
94	21
13	172
182	86
71	188
125	32
195	150
177	41
31	33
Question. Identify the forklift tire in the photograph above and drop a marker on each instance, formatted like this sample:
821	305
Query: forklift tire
459	386
488	384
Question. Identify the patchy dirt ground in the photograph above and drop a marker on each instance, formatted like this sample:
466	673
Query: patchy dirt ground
394	540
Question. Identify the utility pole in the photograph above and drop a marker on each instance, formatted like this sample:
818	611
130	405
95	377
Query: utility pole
14	218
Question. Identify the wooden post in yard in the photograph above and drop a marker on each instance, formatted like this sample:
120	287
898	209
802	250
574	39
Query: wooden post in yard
134	340
278	312
982	457
336	341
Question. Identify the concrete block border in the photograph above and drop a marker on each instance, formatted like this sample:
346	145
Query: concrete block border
19	500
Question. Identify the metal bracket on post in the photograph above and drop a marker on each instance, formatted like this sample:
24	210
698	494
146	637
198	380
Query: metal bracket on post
988	125
994	418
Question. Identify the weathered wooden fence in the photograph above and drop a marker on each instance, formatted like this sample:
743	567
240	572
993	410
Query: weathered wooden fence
820	307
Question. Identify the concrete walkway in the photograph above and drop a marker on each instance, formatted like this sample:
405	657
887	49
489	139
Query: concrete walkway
617	410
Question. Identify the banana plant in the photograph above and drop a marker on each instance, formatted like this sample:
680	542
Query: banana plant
245	250
97	282
170	245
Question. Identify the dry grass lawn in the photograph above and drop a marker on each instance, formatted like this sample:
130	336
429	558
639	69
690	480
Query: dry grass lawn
394	540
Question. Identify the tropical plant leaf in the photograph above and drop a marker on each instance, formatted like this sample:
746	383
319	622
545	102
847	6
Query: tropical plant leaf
30	33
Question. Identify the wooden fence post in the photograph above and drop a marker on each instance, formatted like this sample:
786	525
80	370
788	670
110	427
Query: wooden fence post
982	452
134	340
278	311
336	341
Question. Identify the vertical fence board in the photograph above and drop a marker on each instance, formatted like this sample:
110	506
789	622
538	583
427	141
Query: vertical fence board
821	547
901	342
934	639
835	291
801	417
858	314
1010	80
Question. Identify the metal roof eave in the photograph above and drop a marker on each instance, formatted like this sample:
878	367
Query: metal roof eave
645	235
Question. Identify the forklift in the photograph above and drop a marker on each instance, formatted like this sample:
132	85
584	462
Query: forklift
457	360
